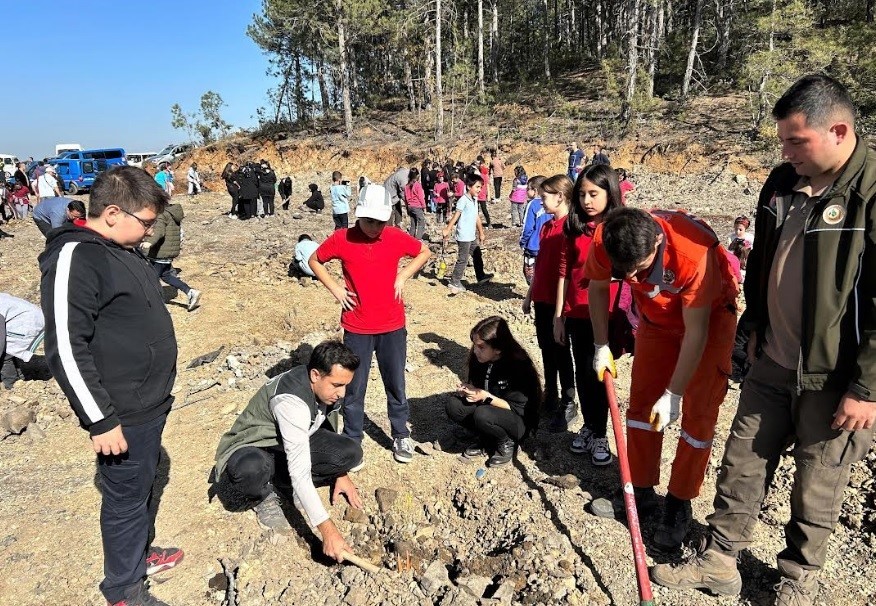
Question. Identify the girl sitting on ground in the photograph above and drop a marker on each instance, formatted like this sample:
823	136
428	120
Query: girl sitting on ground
501	400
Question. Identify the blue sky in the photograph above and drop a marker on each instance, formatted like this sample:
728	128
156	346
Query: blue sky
105	74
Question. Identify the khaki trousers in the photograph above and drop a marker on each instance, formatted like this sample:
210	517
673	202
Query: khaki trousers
772	417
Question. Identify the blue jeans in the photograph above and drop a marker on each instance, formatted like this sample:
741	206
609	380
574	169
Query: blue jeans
126	485
391	349
164	271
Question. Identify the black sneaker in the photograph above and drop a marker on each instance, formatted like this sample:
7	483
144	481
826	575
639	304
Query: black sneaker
503	455
138	596
676	522
485	278
566	413
403	450
9	373
474	451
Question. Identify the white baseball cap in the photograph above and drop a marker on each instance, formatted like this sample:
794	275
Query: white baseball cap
374	203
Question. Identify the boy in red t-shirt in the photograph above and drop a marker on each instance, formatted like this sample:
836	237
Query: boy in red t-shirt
373	313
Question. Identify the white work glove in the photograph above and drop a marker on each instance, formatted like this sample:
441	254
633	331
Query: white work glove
145	246
603	360
665	411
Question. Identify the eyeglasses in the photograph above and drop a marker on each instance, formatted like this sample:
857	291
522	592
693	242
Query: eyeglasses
147	225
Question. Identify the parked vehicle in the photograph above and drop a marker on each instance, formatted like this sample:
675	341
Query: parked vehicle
105	158
9	163
138	158
77	175
170	153
63	148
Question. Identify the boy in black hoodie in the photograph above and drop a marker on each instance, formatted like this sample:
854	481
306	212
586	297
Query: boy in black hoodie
111	346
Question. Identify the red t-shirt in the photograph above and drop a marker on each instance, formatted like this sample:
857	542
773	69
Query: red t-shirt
690	271
552	243
485	172
370	268
571	264
459	189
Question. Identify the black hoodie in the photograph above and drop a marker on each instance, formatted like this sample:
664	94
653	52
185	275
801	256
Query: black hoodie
109	342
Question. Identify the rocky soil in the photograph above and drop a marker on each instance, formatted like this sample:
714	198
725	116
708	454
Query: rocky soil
443	531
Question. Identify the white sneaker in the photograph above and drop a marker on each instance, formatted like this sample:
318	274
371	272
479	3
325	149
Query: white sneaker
582	441
194	299
600	454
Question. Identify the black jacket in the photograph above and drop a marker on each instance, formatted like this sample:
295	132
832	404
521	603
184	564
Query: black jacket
110	342
512	381
249	182
838	346
267	181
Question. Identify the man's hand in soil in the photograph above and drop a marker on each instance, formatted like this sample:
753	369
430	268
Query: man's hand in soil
344	486
111	442
333	544
854	413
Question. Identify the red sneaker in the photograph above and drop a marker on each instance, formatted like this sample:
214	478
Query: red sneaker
160	559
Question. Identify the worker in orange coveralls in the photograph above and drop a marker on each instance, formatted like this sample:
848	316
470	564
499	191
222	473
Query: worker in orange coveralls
685	293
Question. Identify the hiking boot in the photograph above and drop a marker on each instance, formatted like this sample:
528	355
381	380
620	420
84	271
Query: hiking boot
704	569
798	586
159	559
677	518
503	455
600	454
270	514
138	596
194	297
646	504
581	443
403	450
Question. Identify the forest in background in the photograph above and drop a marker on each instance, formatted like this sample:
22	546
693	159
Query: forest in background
433	57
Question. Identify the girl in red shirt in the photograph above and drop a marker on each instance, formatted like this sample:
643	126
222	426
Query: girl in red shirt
556	197
415	200
441	192
596	193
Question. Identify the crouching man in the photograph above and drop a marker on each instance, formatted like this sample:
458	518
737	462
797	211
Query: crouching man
286	435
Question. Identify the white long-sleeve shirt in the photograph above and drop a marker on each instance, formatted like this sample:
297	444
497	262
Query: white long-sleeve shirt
293	419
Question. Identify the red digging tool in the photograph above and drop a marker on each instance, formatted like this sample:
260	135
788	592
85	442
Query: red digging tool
646	598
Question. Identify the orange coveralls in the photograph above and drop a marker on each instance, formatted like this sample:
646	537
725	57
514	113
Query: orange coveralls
690	270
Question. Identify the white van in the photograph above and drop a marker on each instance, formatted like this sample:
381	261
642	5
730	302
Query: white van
63	148
138	158
10	163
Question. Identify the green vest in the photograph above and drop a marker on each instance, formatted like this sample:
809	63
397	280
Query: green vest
256	425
